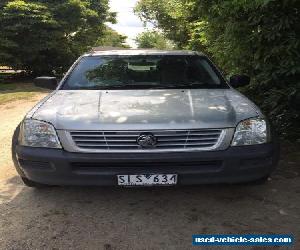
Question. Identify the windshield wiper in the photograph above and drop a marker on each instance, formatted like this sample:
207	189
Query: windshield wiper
151	86
99	87
197	85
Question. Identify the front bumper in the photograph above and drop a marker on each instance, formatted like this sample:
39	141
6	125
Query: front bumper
58	167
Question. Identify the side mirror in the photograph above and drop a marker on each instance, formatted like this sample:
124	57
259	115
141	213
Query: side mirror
46	82
239	80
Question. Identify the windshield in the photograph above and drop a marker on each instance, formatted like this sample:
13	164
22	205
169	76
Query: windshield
143	72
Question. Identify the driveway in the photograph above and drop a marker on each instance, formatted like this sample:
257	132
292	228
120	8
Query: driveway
147	218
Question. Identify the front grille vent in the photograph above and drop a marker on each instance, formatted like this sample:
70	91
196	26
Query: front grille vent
127	140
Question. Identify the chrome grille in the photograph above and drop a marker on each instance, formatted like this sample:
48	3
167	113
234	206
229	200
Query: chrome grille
166	139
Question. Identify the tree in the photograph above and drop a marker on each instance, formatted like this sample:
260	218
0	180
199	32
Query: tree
257	37
153	39
170	16
42	36
111	38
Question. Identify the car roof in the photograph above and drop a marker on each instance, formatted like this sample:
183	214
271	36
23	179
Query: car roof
136	52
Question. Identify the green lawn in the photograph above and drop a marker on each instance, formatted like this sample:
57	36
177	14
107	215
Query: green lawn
18	91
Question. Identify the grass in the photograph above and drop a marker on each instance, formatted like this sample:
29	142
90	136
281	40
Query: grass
10	97
19	86
14	91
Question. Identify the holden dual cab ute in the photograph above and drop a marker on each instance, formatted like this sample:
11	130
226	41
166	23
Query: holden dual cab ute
143	118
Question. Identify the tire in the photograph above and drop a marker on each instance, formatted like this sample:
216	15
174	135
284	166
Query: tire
33	184
14	143
261	181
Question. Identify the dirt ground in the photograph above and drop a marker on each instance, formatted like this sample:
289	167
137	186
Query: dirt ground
148	218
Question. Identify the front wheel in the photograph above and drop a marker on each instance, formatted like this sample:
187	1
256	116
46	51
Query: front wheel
33	184
261	181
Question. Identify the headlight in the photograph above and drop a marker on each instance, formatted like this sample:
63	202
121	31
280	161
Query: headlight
251	131
36	133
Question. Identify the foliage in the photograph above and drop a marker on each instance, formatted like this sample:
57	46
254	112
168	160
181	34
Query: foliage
257	37
111	38
153	39
40	36
170	15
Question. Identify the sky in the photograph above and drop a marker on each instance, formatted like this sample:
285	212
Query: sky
127	24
